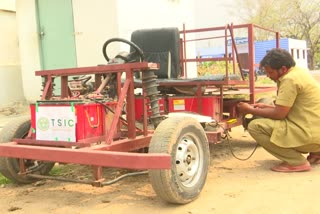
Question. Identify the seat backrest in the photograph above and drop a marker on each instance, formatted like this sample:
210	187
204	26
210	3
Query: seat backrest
160	46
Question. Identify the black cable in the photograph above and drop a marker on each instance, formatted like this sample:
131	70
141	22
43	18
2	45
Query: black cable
225	131
124	176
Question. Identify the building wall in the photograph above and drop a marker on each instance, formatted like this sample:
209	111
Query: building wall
297	48
96	21
142	14
10	74
261	48
28	48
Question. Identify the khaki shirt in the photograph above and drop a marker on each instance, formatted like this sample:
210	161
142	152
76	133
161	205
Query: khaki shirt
300	91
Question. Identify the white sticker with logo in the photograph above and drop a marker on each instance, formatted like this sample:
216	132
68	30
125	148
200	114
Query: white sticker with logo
56	123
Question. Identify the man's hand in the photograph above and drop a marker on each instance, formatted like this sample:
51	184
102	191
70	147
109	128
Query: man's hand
276	112
244	108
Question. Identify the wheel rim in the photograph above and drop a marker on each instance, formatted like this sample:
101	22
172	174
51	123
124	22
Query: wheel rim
188	160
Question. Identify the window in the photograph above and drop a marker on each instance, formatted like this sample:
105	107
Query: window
292	52
304	54
298	53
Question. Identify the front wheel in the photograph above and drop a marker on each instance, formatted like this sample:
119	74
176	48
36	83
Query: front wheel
9	167
185	140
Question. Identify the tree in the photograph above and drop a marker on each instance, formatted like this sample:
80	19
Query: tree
298	19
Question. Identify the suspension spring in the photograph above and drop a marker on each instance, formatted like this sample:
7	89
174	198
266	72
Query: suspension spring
151	88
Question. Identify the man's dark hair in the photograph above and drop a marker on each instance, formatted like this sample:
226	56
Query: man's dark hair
276	58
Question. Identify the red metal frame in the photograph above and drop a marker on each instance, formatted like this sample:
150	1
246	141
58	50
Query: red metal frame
112	148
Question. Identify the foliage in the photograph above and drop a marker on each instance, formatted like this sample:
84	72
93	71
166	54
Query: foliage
298	19
214	67
4	180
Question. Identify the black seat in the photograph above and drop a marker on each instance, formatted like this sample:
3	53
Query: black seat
160	46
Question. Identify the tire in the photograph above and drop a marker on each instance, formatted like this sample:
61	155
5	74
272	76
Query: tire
185	140
9	167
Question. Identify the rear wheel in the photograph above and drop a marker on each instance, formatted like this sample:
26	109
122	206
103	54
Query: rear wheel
9	167
185	140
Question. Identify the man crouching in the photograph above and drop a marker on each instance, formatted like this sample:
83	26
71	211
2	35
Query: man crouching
291	127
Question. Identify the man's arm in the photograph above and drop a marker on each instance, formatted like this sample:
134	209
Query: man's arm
276	112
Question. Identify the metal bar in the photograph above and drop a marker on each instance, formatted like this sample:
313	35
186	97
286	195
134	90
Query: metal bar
235	49
46	143
98	183
277	40
48	84
226	52
262	28
125	145
97	172
181	57
130	107
207	38
208	59
87	156
117	112
185	51
99	69
80	143
213	29
59	179
221	104
251	63
203	83
64	87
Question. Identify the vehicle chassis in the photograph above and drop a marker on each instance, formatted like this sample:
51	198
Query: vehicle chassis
117	147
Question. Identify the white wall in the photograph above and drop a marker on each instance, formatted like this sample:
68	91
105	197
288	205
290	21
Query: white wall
10	74
144	14
29	48
299	45
9	54
95	21
141	14
211	13
8	5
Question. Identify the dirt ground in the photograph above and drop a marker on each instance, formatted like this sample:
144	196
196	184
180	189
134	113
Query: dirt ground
232	186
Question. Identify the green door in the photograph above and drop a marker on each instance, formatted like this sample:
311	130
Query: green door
56	30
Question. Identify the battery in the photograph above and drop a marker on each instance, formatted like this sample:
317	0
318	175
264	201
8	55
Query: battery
204	105
70	122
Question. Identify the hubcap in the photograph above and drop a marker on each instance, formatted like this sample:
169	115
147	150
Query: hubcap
188	161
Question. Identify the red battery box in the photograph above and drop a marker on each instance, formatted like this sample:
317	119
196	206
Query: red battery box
68	121
205	105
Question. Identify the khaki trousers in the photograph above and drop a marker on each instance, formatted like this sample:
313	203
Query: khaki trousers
261	131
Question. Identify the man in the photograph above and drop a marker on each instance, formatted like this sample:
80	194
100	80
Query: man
291	127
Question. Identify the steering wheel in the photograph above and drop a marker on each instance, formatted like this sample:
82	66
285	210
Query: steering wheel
137	52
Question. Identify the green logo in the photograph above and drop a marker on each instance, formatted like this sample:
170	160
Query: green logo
43	123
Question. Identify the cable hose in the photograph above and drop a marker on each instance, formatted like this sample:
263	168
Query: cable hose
230	146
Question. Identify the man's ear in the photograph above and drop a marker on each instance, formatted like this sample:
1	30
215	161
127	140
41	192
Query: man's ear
283	70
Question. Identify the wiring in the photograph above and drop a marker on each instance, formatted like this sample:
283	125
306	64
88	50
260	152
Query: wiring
227	137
